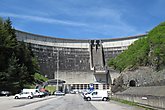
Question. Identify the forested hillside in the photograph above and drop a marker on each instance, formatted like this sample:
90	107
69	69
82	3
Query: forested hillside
17	63
147	51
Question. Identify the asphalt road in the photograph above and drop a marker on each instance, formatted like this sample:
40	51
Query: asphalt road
67	102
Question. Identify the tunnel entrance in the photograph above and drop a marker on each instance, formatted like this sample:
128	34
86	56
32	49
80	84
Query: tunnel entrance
132	83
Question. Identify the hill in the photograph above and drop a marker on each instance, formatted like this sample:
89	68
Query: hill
147	51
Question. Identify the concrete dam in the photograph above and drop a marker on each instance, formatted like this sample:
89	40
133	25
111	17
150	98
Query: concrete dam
77	62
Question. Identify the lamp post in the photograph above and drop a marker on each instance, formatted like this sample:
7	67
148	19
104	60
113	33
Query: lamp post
57	68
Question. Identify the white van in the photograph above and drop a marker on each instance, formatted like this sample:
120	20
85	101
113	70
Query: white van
28	95
36	92
97	95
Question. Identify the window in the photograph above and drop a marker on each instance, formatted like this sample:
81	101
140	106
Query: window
94	93
96	86
81	86
104	86
77	86
73	87
85	86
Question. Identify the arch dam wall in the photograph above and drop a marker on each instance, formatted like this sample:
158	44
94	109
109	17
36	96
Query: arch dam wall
76	60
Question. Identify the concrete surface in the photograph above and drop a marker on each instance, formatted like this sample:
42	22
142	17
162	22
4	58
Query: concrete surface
67	102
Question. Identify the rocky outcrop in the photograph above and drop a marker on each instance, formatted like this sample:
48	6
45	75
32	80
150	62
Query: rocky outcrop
142	76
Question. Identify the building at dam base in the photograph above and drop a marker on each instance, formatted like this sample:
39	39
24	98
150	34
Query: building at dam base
78	63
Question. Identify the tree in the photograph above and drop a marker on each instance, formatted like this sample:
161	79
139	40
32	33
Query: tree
7	42
17	62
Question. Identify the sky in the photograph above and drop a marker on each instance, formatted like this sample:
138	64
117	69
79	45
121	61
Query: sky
84	19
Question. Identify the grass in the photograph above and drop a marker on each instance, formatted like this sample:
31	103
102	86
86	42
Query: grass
40	77
28	86
50	88
130	103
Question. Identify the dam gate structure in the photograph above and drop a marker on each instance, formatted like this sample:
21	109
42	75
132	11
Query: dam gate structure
78	63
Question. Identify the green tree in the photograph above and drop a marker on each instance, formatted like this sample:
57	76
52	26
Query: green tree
7	42
17	62
12	73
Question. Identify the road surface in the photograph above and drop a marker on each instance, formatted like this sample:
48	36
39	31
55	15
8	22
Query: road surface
67	102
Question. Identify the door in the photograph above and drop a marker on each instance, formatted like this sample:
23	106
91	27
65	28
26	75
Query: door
95	96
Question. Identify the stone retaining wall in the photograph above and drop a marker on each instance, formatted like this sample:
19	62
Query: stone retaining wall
153	101
144	76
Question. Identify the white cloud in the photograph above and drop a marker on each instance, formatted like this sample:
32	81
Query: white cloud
109	23
42	19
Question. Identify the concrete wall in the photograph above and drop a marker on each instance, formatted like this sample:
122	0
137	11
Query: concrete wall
71	56
153	101
113	74
51	41
76	77
152	95
68	59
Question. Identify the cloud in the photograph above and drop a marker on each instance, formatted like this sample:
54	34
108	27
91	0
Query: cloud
110	30
42	19
91	21
108	22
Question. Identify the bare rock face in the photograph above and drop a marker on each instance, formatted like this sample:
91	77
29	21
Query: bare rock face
142	76
139	76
